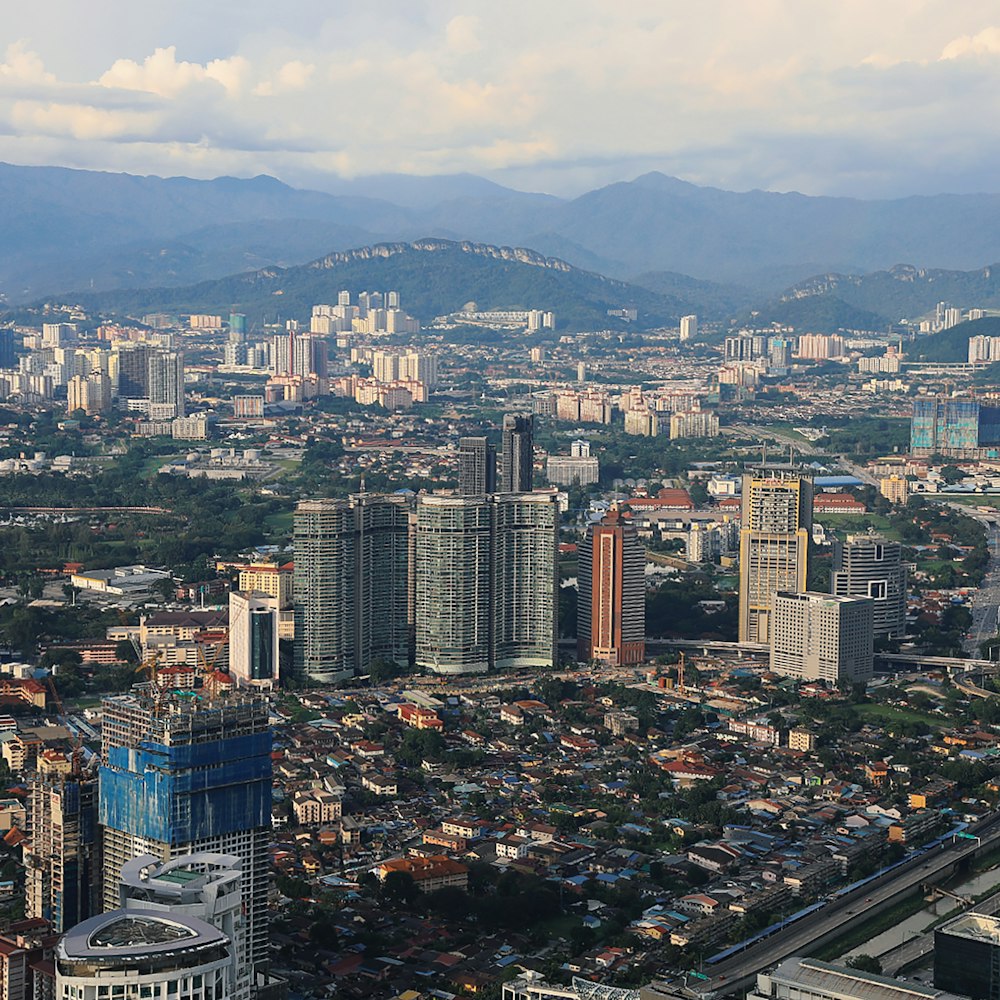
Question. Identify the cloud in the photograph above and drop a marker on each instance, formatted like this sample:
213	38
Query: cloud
161	73
983	43
81	121
293	75
24	66
736	94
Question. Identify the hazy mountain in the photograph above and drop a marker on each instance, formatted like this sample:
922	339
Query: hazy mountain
873	301
76	229
715	301
433	277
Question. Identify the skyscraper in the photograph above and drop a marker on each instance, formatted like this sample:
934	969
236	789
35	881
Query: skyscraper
611	604
351	584
525	579
166	383
689	327
821	637
477	467
453	581
517	458
324	587
872	566
776	519
132	363
63	863
485	581
181	775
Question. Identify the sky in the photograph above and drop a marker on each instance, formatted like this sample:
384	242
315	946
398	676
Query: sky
867	98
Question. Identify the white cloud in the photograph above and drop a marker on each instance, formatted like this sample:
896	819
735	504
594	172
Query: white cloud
161	73
293	75
79	121
732	93
24	66
983	43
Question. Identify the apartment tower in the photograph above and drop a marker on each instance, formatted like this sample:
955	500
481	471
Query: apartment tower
477	467
517	457
776	520
611	604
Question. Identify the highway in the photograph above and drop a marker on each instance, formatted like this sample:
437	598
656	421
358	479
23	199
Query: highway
895	960
837	917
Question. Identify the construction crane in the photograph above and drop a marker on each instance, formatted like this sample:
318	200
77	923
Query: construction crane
149	666
208	672
77	742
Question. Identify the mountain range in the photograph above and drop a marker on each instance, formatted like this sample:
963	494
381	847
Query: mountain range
73	230
875	300
433	276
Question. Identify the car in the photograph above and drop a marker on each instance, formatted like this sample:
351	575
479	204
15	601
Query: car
868	900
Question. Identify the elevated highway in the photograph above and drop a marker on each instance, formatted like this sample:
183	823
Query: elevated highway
839	916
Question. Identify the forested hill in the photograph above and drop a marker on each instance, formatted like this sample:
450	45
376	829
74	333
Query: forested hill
433	277
953	344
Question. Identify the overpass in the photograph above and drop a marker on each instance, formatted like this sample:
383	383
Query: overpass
840	915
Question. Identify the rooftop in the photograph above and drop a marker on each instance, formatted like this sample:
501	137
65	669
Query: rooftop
849	984
974	926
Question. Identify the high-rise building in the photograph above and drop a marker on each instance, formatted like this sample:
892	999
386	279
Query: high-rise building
298	353
955	427
694	424
63	856
271	578
819	637
517	458
8	357
206	887
154	744
611	604
453	581
166	384
896	489
776	519
579	468
133	369
351	584
485	581
967	956
383	605
237	326
324	581
253	639
524	597
873	566
477	467
689	327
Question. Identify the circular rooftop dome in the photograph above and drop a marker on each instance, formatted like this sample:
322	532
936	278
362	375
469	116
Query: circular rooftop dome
132	932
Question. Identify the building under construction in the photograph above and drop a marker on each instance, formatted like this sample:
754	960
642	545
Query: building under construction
184	772
955	427
63	854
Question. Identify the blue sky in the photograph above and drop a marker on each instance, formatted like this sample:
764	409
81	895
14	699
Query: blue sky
852	98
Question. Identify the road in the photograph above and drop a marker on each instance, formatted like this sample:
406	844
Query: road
839	916
917	947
